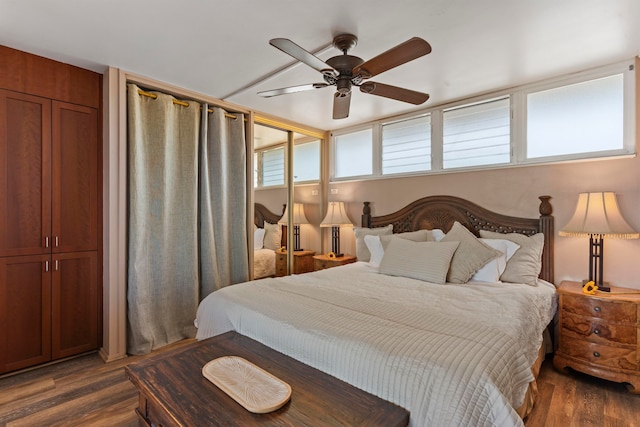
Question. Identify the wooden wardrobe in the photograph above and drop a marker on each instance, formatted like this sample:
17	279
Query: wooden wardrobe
50	210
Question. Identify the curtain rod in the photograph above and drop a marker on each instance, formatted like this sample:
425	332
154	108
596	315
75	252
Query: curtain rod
182	103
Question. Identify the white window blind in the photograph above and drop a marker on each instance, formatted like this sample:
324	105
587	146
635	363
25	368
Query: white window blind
306	161
584	117
273	167
406	146
353	154
476	134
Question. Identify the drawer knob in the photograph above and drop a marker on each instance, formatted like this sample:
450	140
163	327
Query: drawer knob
596	309
596	331
596	354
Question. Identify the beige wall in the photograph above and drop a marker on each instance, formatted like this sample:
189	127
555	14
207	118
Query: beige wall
515	191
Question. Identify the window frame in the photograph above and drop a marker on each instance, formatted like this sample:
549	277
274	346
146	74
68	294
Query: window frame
518	132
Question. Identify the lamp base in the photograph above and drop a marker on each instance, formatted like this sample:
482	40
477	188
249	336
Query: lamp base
604	286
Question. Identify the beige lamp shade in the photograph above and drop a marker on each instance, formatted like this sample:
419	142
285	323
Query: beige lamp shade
598	214
298	215
336	216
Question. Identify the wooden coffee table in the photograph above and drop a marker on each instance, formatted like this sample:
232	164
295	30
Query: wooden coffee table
173	392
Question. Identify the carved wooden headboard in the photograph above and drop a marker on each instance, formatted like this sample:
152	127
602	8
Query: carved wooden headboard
261	214
442	211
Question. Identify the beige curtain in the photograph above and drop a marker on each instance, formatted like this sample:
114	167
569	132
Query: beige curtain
223	201
187	233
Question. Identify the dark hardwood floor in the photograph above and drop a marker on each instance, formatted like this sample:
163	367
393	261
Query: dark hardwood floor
86	392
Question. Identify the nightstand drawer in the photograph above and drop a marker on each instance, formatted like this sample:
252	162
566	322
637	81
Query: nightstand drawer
598	330
613	311
614	357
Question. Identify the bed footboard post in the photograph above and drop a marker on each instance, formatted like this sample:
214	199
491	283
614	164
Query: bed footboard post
366	215
546	227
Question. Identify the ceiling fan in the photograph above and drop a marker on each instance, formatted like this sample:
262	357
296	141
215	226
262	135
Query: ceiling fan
345	71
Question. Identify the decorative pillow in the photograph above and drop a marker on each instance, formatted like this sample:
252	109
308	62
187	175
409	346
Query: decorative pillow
493	269
416	236
272	236
428	261
375	249
362	253
258	238
471	256
526	263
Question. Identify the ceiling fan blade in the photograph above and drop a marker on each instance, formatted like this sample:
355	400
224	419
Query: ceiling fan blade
402	53
394	92
292	49
341	103
291	89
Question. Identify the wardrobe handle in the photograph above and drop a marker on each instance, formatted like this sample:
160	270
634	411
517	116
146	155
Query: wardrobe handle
46	266
57	241
46	241
56	266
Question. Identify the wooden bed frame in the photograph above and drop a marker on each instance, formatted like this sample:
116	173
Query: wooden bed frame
442	211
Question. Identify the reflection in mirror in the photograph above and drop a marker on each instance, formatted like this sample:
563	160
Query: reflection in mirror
271	190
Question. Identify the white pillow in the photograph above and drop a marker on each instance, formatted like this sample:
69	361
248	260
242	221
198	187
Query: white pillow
272	236
258	238
525	264
362	253
437	234
492	270
428	261
375	249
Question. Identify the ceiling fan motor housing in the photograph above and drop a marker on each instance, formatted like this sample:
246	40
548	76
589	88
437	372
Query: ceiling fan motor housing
343	64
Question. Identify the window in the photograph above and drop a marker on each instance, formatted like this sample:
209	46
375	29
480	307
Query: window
306	161
585	117
272	167
269	164
353	154
406	146
476	135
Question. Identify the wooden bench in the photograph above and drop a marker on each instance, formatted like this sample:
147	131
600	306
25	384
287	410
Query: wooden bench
173	391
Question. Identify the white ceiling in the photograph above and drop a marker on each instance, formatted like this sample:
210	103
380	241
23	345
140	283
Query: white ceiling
220	47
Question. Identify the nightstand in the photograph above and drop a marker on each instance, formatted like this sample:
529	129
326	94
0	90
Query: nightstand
302	262
599	334
320	262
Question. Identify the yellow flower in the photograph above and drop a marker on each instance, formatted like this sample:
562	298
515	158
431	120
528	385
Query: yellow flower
590	288
331	255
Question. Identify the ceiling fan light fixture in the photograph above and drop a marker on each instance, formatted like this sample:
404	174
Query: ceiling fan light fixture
345	71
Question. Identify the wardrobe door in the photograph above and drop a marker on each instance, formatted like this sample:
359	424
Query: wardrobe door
25	174
74	303
75	178
25	311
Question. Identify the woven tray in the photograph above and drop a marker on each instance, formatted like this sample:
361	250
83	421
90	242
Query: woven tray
252	387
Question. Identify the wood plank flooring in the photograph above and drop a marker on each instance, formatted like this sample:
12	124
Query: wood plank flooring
86	392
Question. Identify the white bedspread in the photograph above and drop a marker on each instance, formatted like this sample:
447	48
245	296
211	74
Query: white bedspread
264	263
453	355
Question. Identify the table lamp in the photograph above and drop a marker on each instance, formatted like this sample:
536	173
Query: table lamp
298	218
336	217
596	216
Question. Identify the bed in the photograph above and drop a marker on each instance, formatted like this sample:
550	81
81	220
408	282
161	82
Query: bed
267	238
450	353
